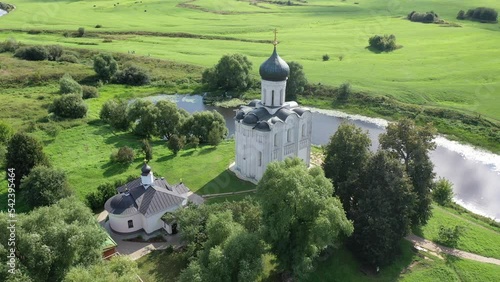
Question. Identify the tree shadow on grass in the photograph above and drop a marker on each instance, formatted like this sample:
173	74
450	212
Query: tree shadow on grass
207	150
373	50
112	169
225	182
162	266
165	158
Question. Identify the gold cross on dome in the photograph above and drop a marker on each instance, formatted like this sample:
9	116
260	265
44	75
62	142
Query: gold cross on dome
275	42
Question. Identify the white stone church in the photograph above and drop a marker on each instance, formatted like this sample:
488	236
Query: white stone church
271	129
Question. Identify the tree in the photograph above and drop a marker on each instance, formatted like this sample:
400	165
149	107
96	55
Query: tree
216	134
132	75
89	92
144	115
118	269
80	32
169	118
176	143
296	81
147	149
32	53
54	52
299	216
96	199
114	112
23	154
45	186
449	236
383	43
105	66
68	85
125	155
382	210
232	72
69	106
442	192
200	123
411	144
345	156
344	92
229	254
50	240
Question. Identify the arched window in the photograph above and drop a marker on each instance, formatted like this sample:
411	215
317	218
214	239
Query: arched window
272	98
130	224
281	96
260	159
276	140
303	130
289	135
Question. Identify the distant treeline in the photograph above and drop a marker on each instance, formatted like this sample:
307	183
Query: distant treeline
481	14
428	17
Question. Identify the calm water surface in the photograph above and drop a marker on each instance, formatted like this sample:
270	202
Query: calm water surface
475	174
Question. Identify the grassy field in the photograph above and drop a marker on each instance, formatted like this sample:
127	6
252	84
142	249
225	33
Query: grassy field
451	67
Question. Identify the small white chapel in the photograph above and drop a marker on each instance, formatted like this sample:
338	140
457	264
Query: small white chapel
271	129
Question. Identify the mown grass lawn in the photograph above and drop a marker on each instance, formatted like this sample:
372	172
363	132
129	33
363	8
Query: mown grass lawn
450	67
476	237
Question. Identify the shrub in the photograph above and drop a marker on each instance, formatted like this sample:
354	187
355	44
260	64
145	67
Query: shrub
114	112
428	17
89	92
176	143
80	32
132	75
124	155
449	236
98	26
344	91
326	57
147	149
54	52
461	15
97	199
32	53
68	58
68	85
105	66
69	106
9	45
442	192
385	43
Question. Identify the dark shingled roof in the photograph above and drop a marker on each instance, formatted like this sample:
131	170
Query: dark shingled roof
262	120
135	198
274	68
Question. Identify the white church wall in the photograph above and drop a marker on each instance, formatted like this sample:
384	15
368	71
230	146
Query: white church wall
120	223
267	88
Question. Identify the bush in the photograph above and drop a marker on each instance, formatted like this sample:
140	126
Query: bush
132	75
32	53
69	106
89	92
428	17
461	15
54	52
105	66
114	112
68	85
9	45
442	192
449	236
344	91
326	57
176	143
68	58
80	32
124	155
97	199
384	43
147	150
98	26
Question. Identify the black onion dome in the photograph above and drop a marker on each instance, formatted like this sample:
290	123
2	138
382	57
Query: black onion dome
120	204
146	169
274	68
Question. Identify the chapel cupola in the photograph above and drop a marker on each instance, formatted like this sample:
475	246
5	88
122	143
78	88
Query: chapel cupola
274	72
147	177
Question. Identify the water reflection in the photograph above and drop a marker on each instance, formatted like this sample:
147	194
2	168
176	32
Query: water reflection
475	174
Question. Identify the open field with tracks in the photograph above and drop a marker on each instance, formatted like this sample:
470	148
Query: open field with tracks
438	65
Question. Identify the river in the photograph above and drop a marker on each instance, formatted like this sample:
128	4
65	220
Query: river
475	173
2	12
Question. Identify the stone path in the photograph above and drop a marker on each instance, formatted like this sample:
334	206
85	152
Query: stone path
431	246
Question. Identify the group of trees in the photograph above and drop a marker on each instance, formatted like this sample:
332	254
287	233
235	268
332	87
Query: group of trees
165	120
107	69
232	73
293	216
482	14
386	193
61	242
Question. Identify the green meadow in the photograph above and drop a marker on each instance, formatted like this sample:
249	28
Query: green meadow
438	65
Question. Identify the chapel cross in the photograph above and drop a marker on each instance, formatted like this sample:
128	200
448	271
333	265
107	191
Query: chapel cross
275	41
